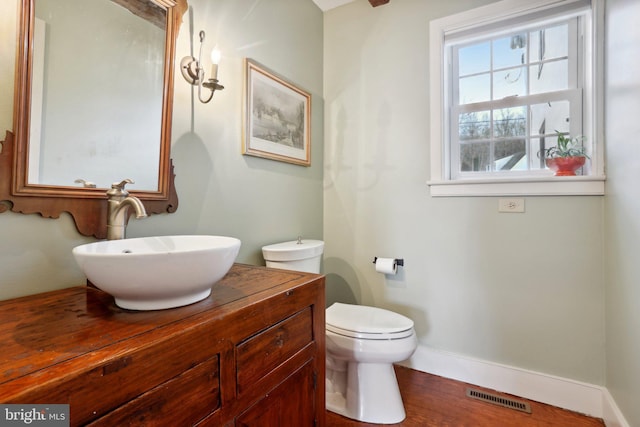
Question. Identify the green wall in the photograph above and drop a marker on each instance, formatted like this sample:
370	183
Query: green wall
476	282
221	191
622	206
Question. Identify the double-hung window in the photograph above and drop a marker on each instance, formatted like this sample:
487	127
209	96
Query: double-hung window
506	78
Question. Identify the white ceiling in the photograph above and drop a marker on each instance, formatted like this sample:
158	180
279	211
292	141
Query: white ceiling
330	4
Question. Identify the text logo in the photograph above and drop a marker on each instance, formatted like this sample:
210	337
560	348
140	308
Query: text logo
34	415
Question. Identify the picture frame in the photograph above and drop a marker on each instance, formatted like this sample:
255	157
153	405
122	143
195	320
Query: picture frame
276	117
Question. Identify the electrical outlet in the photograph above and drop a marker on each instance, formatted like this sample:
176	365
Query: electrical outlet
511	205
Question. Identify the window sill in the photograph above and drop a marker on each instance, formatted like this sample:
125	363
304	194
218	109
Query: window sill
543	186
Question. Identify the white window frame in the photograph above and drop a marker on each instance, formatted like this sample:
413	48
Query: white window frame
542	182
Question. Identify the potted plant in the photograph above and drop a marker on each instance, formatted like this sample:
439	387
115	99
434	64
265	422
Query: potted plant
567	156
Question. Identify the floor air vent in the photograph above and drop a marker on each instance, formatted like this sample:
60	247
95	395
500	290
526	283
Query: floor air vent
499	400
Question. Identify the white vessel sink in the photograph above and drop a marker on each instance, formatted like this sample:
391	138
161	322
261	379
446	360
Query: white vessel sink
153	273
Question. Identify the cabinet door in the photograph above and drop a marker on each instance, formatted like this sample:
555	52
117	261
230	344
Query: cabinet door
290	404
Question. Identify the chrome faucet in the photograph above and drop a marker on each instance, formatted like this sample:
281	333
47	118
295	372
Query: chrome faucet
119	201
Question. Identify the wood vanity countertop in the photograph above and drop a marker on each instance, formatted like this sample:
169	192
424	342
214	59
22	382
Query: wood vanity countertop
73	329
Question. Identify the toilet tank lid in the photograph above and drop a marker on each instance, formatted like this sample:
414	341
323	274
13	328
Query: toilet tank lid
292	251
362	318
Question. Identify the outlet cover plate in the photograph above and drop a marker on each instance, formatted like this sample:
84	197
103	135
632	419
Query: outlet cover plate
511	205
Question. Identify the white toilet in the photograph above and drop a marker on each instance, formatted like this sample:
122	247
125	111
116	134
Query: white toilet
362	345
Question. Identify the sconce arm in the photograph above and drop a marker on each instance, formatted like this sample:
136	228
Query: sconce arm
193	73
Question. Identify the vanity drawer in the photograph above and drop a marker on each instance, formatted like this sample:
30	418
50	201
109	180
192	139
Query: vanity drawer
197	389
130	369
263	352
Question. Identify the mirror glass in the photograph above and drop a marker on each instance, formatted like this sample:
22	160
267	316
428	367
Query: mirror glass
97	84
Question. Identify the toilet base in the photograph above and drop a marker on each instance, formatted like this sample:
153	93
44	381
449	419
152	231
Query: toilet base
371	396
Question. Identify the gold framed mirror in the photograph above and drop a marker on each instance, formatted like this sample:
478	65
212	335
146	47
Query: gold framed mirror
92	106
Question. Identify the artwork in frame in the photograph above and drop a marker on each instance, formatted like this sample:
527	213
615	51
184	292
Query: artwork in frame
277	117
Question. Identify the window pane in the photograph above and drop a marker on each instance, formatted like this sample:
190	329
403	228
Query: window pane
510	122
549	76
549	43
475	157
509	51
549	117
474	59
474	125
474	89
511	155
510	83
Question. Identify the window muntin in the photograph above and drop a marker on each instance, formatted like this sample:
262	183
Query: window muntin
509	93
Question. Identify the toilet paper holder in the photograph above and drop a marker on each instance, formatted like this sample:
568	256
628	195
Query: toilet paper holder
398	261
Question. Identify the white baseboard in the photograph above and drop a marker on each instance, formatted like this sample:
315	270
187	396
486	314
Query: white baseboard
564	393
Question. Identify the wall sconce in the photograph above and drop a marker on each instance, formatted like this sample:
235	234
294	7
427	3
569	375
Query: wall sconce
193	72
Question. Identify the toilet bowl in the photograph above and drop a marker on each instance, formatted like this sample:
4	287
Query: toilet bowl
362	344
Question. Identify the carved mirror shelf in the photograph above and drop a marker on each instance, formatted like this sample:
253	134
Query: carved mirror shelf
91	108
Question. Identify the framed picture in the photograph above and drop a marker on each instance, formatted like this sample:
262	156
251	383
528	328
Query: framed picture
277	117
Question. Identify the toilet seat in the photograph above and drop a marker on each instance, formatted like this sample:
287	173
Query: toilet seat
364	322
370	336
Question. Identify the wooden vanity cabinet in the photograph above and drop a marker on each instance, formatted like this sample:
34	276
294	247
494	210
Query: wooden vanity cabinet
252	354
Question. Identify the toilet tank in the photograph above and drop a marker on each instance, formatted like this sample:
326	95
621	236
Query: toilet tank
298	255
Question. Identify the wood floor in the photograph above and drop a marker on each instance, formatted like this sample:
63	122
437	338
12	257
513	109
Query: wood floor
432	401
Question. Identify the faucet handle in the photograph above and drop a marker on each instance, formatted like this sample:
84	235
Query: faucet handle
120	185
118	190
85	184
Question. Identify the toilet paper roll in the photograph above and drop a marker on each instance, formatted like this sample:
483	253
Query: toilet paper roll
386	266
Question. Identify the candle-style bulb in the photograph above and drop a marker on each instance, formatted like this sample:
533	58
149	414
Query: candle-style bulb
215	60
215	56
